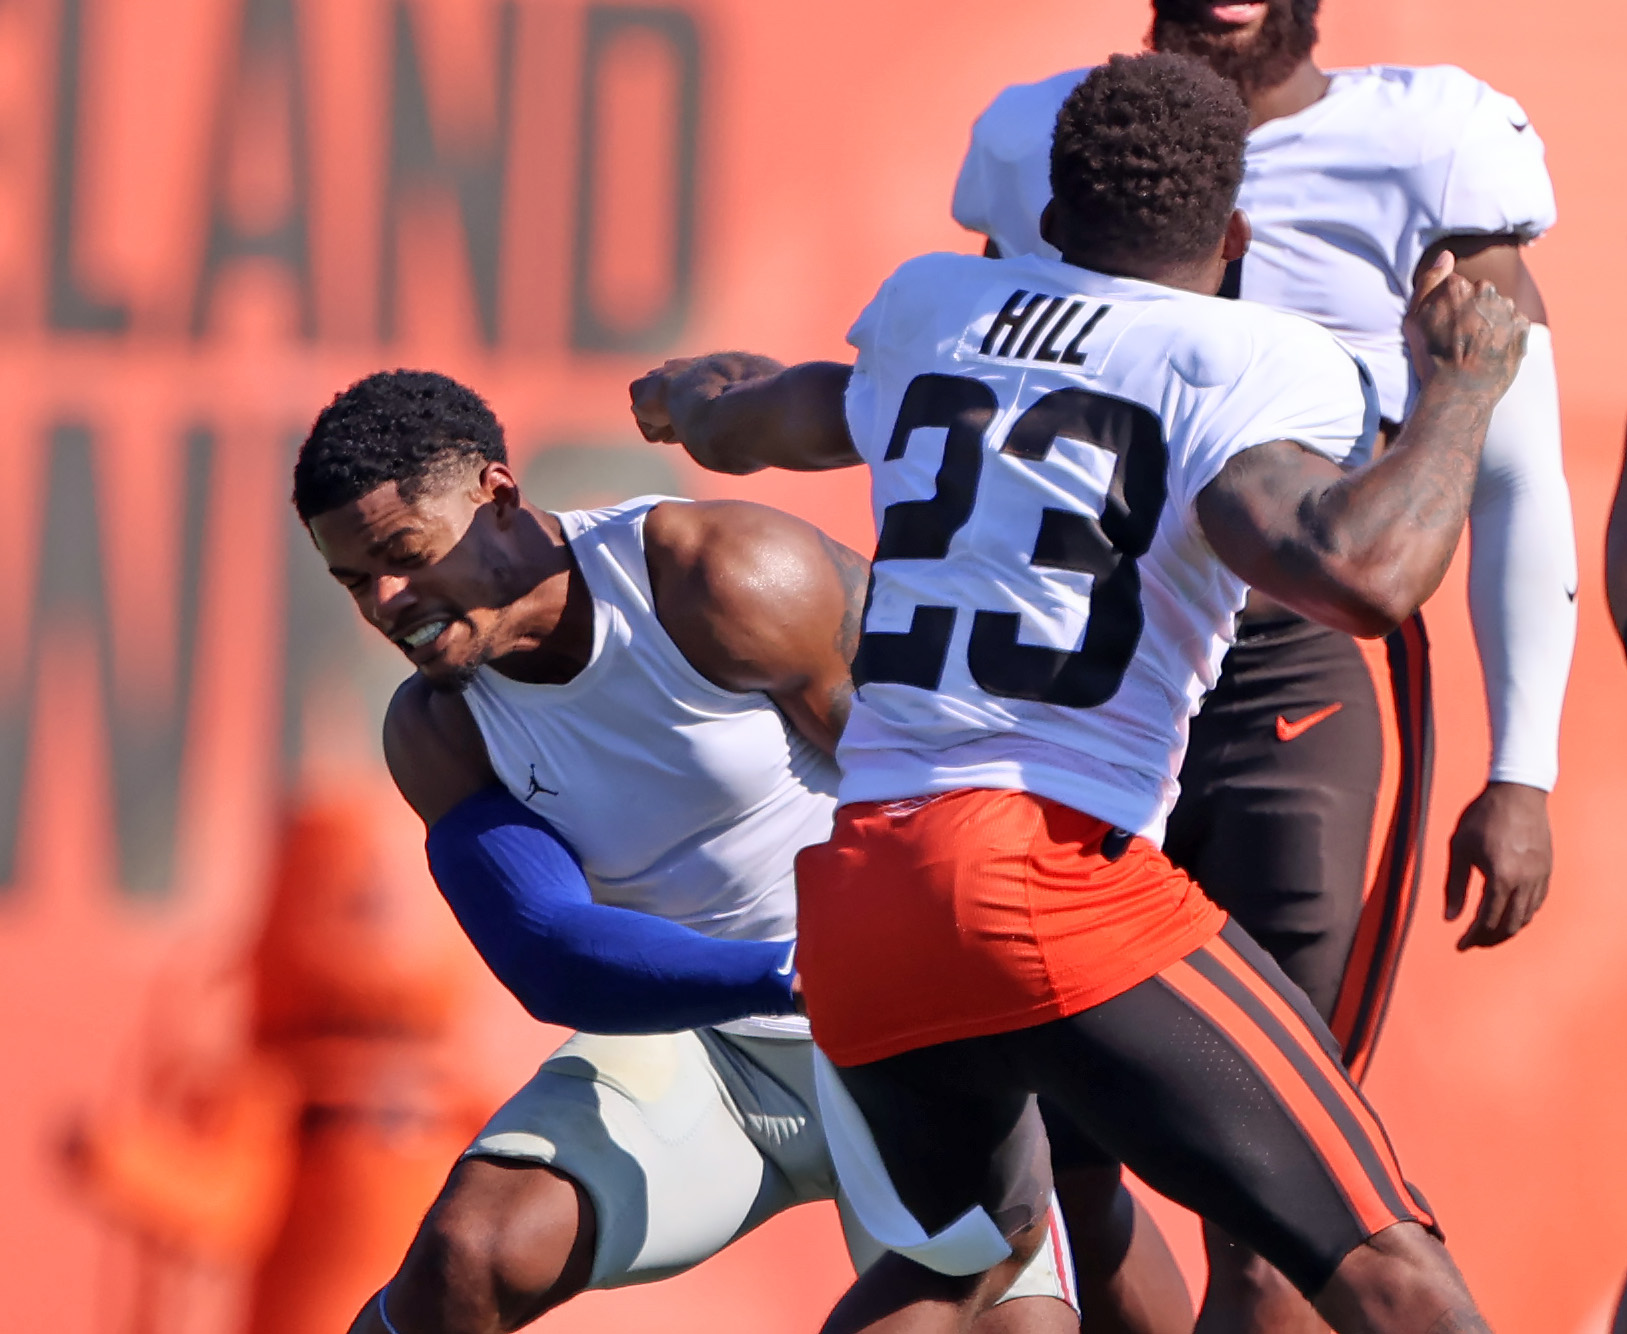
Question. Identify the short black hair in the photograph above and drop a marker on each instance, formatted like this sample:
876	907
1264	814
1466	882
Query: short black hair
1147	160
407	427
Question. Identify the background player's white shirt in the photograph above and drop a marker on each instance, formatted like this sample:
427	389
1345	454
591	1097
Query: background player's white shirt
682	799
1344	197
1091	412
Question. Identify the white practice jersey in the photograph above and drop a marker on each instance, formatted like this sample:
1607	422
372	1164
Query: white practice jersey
1344	197
1046	613
682	799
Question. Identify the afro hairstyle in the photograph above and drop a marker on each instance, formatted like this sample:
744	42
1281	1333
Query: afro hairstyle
407	427
1146	161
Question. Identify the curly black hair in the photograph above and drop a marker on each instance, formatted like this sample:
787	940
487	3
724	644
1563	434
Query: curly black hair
1146	162
406	427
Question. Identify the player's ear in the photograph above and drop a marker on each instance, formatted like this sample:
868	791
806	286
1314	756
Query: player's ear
1239	236
1047	224
498	485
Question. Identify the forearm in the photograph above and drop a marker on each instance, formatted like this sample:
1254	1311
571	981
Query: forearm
607	970
524	903
1522	574
1383	536
794	418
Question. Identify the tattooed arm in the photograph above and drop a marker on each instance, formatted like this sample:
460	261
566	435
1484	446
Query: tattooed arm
1361	550
758	600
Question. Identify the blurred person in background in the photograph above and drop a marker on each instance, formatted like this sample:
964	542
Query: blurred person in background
1355	181
618	734
303	1138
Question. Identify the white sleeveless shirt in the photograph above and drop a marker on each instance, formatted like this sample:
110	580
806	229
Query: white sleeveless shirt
682	800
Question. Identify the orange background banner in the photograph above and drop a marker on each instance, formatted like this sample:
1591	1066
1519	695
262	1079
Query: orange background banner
216	213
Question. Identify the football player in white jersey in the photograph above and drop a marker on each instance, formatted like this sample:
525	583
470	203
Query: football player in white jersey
1355	180
617	735
1078	469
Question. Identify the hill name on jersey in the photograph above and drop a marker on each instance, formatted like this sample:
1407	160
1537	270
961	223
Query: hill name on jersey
1027	316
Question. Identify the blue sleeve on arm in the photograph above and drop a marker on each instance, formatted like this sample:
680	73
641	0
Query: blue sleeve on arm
520	895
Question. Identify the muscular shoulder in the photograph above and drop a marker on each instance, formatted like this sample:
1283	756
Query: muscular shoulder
1422	106
1467	153
1021	118
739	586
1250	375
919	296
1219	344
434	749
1004	180
731	559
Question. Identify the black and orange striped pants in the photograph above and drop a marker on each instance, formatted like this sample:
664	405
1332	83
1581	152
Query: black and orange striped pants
1301	814
1302	808
1213	1080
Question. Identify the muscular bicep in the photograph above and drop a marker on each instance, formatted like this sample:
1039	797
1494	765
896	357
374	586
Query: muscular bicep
759	600
1264	515
816	693
434	750
1498	260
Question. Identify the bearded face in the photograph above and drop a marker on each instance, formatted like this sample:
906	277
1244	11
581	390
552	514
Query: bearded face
1255	45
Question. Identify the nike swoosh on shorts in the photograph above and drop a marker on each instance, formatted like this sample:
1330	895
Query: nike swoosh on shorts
1287	731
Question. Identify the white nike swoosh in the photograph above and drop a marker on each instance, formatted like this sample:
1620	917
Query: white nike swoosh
784	970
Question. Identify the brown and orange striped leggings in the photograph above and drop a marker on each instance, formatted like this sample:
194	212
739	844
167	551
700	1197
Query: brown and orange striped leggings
1214	1081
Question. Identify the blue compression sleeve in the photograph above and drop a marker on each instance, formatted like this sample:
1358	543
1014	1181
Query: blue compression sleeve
520	895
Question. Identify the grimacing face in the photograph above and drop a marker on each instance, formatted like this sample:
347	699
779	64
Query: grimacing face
426	573
1256	45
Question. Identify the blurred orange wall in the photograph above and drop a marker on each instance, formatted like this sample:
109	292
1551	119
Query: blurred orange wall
215	213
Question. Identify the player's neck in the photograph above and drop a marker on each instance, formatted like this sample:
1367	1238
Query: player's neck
1201	276
549	635
1306	86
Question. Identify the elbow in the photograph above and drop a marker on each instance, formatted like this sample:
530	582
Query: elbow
1375	621
544	1003
1380	588
1371	606
1367	617
1383	605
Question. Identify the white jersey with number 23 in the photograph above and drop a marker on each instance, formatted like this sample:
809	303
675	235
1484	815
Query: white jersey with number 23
1045	612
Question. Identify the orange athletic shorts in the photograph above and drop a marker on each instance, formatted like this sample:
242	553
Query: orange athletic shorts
977	912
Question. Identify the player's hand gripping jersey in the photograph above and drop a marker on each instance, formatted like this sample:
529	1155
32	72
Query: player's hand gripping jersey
1045	612
1344	197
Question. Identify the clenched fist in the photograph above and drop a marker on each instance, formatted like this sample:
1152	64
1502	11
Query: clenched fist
1464	328
662	398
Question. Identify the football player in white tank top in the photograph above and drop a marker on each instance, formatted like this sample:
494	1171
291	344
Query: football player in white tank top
1354	181
618	736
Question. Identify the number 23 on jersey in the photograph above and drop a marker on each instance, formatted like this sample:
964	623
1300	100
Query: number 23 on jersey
1102	535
